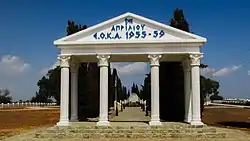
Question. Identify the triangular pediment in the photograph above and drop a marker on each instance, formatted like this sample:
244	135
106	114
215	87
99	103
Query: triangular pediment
129	28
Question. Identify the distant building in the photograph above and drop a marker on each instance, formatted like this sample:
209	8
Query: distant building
133	98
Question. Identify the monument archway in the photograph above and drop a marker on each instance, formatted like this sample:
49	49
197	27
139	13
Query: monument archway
130	38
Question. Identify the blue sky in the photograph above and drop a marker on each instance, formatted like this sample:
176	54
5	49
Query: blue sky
28	29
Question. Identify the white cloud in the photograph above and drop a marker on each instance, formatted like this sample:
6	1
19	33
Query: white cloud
207	71
220	72
226	71
130	69
45	70
10	65
248	72
18	76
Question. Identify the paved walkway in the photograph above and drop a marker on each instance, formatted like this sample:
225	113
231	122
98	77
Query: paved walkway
131	114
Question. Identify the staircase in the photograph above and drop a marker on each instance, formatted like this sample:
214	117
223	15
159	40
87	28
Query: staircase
129	130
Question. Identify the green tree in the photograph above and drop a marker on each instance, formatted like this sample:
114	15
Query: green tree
120	90
49	85
114	90
178	21
134	89
83	107
216	97
146	89
73	27
128	94
92	90
141	92
124	92
137	89
208	86
5	96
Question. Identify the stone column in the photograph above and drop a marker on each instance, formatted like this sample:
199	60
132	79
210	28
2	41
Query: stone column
103	64
64	103
155	110
74	91
187	89
195	74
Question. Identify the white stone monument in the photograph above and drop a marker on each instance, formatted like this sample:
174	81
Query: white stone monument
130	38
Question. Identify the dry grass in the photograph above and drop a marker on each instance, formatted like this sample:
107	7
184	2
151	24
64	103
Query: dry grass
13	122
236	118
12	108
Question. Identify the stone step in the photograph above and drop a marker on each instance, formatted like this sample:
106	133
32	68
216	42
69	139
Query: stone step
114	132
130	127
141	131
124	130
130	135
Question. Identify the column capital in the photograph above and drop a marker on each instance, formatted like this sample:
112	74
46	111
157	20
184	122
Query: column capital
103	60
195	59
64	61
154	59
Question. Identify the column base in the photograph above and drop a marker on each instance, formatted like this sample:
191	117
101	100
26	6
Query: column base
102	123
155	123
63	123
197	123
74	119
187	120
